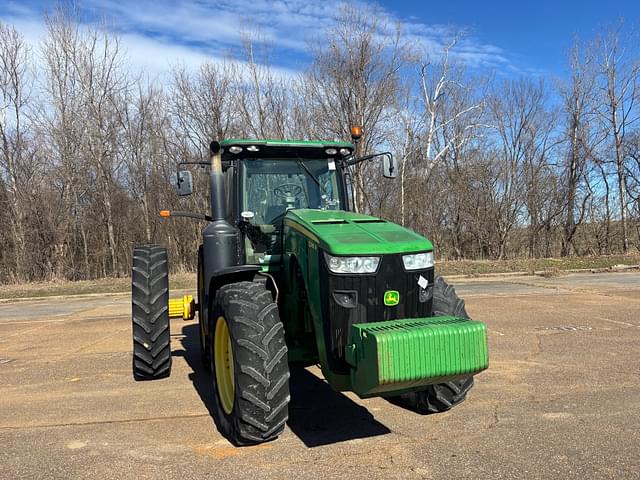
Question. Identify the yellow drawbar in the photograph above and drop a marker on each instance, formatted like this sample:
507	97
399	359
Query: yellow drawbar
184	307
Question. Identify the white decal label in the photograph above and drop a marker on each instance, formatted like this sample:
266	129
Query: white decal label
332	164
423	282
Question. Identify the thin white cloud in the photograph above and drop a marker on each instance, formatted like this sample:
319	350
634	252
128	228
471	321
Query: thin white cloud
156	58
161	33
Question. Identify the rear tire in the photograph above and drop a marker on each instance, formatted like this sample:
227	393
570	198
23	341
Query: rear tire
251	374
440	397
437	398
150	313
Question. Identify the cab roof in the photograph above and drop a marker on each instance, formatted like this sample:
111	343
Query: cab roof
284	149
285	143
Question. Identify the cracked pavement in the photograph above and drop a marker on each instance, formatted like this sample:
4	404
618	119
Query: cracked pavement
561	398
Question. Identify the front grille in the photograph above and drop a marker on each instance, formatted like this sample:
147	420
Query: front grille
370	290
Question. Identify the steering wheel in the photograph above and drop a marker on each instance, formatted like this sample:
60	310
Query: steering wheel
287	189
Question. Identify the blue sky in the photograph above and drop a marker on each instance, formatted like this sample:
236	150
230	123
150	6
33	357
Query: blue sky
507	36
535	35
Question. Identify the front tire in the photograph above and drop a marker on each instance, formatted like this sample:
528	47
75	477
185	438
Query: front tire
150	313
440	397
248	364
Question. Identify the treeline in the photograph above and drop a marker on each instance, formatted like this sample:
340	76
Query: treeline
492	165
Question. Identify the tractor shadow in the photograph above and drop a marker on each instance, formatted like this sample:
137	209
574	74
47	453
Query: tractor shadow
318	415
199	376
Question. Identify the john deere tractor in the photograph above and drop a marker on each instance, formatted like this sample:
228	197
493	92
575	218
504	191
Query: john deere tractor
289	273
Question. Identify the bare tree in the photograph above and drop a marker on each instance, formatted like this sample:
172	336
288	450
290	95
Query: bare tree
619	80
445	117
578	108
541	183
203	106
447	103
353	81
16	155
61	130
632	154
145	124
104	82
518	111
263	97
86	83
406	141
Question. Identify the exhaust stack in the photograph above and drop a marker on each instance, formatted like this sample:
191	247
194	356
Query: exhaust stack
216	183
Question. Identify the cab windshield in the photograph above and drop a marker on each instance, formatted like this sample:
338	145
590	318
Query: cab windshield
272	186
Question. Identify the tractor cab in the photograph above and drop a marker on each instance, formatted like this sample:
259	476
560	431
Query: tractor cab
275	177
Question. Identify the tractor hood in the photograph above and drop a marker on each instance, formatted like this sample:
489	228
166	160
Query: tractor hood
347	233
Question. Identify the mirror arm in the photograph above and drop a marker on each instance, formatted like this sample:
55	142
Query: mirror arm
202	164
353	161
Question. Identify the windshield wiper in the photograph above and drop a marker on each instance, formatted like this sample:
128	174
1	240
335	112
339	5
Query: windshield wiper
306	169
324	199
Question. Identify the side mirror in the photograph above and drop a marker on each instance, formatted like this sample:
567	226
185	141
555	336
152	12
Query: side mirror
183	181
390	166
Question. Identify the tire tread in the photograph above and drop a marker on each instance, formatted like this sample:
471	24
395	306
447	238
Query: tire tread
262	372
150	313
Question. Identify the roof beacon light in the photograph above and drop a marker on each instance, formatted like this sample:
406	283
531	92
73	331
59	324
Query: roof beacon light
331	151
252	148
235	149
356	133
345	151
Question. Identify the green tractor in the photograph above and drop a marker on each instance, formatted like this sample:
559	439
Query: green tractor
289	273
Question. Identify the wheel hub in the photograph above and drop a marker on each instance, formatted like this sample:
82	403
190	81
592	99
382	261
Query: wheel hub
224	365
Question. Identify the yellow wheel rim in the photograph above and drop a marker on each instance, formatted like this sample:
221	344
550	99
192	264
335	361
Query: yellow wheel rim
224	365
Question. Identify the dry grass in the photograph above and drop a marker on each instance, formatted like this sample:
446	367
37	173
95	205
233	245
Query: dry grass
548	266
180	281
177	281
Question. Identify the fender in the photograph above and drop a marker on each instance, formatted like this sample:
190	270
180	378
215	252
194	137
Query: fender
225	276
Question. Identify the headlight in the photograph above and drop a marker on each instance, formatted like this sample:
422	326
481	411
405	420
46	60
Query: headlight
418	261
352	264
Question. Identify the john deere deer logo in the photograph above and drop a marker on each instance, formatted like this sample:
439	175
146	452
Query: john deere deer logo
391	298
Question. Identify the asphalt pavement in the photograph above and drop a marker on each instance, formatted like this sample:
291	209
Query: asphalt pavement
561	398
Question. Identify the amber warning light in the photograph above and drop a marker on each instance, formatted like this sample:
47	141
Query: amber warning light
356	133
165	213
